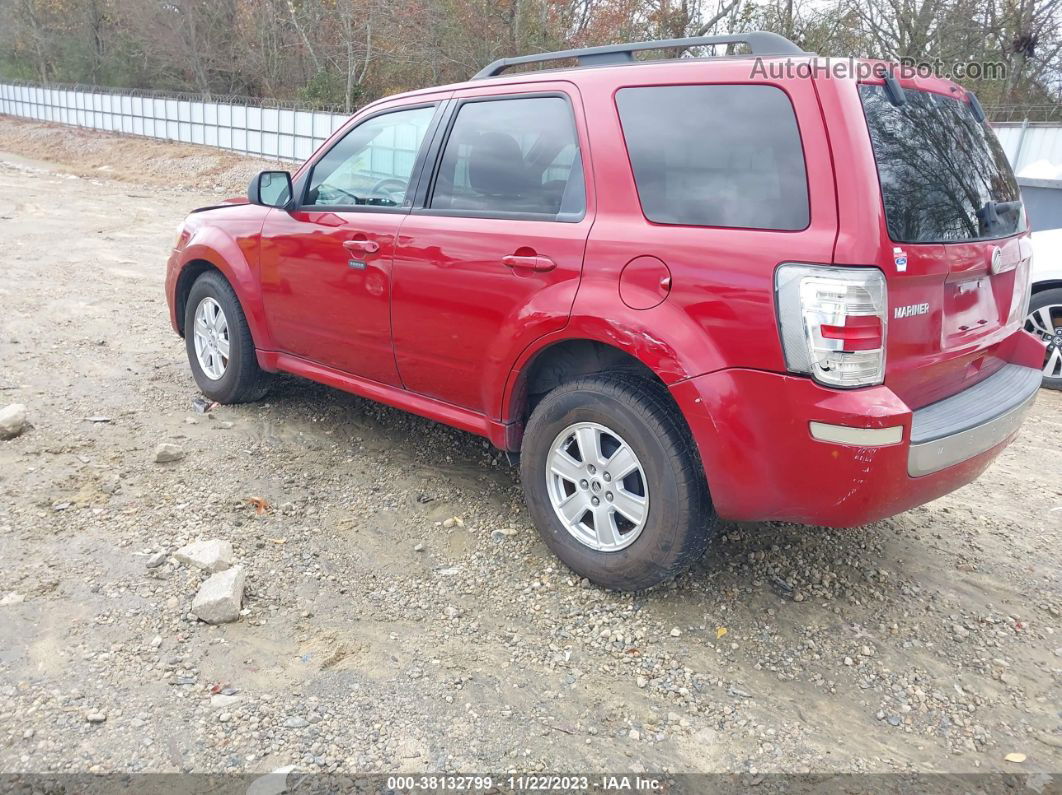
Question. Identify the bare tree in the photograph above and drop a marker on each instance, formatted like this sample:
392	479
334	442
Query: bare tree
345	52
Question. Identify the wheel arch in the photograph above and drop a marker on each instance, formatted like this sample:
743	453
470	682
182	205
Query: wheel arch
664	344
191	271
229	261
556	361
1048	284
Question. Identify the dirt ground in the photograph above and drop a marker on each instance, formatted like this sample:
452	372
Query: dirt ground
128	158
401	613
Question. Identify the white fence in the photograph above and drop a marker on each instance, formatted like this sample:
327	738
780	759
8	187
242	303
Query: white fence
293	133
286	133
1031	142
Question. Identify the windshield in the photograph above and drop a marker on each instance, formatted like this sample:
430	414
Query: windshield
944	176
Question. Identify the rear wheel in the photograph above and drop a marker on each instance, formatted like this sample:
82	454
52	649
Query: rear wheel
614	483
219	345
1045	321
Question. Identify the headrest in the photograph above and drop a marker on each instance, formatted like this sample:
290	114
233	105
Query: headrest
496	165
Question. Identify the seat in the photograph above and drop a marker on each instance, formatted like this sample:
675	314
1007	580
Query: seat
496	167
499	179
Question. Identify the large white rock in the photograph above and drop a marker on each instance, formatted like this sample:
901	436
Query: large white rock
220	597
168	452
13	421
213	555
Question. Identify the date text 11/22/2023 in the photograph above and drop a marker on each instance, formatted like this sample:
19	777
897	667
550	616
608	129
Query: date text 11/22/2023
538	782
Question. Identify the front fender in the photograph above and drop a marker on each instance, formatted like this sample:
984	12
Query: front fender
232	249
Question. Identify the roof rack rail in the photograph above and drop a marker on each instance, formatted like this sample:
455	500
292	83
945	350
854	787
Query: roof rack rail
760	42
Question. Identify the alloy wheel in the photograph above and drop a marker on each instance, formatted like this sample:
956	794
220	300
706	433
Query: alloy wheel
1046	323
597	486
211	336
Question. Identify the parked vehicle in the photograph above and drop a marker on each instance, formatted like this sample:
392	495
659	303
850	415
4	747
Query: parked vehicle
1045	309
680	289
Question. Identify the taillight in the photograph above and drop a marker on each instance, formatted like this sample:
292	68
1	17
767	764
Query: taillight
832	322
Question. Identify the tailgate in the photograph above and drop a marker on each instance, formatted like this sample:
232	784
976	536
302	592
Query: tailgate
958	270
949	315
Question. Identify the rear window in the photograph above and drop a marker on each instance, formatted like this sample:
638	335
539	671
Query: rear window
725	155
944	177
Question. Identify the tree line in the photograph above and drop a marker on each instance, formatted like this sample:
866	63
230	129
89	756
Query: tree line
343	53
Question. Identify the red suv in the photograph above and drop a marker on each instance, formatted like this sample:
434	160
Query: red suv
767	287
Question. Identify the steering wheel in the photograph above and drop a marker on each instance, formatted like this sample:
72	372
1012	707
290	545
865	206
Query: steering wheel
388	187
337	189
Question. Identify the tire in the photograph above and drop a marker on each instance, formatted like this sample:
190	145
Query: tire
1046	308
241	379
678	512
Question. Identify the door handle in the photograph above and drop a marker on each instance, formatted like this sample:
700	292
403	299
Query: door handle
532	262
361	246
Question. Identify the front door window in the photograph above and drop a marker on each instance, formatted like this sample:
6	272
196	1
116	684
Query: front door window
372	165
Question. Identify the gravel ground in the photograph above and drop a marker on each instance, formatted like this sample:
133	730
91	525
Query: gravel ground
401	614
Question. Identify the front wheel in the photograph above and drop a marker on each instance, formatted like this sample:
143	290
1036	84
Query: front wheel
1045	321
219	345
614	483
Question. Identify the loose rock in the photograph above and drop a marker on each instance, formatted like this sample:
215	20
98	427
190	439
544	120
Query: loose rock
156	560
13	421
168	452
213	555
220	597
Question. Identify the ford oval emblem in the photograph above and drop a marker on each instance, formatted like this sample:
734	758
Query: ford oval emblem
997	259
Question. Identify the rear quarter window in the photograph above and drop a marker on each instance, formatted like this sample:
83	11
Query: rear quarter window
716	155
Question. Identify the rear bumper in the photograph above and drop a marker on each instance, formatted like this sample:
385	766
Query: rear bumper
779	447
971	422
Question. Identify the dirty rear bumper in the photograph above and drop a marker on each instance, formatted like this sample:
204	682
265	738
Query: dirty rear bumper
756	432
973	421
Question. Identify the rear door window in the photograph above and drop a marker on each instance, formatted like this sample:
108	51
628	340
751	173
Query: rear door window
512	157
716	155
944	176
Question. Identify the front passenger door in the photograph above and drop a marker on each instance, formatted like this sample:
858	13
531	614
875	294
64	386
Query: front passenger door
326	265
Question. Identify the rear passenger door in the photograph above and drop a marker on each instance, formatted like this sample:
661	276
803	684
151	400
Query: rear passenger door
491	258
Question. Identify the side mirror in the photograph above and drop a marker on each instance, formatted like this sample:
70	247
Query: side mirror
270	189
